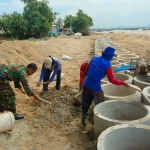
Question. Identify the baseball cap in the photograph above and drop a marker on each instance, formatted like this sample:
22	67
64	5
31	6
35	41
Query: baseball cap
48	62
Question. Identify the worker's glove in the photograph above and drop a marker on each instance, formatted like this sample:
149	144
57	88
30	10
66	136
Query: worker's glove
39	83
48	82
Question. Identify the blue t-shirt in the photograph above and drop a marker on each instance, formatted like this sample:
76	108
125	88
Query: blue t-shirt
96	72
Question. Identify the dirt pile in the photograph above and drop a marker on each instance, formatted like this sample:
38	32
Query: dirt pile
57	126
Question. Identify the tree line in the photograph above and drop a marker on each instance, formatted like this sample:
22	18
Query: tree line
37	18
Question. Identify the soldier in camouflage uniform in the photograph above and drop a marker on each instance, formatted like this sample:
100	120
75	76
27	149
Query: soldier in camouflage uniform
16	73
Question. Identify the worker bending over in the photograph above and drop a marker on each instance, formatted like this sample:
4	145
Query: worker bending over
16	73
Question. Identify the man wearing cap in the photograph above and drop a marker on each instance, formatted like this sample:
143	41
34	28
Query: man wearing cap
100	66
51	64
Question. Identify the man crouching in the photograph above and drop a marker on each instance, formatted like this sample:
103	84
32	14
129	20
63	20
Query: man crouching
16	73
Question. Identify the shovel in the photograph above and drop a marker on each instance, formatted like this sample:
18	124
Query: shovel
42	98
45	101
132	86
76	100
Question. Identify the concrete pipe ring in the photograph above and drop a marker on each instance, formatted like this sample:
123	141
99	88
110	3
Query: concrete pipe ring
115	59
110	113
116	92
125	137
146	91
128	56
122	52
141	81
116	63
120	76
130	73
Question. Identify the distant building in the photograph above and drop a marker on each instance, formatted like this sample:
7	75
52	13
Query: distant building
54	30
64	30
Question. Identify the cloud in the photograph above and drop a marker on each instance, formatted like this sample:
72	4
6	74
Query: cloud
105	13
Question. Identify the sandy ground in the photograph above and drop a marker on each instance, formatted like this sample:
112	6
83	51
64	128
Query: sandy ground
57	126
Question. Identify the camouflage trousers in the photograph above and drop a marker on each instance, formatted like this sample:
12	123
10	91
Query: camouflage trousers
7	98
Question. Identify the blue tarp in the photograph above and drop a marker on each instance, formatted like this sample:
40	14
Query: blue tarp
126	67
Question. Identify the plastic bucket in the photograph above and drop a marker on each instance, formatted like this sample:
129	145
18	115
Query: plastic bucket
62	76
76	36
7	121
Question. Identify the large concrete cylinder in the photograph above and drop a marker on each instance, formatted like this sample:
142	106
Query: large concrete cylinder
115	46
112	91
98	42
120	49
130	63
125	137
110	113
100	46
146	92
112	44
125	60
119	76
116	63
141	81
119	52
130	72
115	59
128	56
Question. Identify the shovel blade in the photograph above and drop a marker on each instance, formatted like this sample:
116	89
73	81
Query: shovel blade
77	101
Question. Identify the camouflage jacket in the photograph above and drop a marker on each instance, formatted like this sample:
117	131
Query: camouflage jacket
17	73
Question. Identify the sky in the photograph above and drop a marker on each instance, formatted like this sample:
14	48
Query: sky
105	13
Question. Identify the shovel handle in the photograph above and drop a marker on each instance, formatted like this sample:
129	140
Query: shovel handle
134	87
45	101
78	94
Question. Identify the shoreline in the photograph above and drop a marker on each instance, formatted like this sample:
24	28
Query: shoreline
145	32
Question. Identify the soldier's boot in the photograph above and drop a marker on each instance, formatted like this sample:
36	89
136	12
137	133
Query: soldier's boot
18	116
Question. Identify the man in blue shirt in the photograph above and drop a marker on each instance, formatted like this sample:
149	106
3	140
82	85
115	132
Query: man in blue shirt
100	66
50	68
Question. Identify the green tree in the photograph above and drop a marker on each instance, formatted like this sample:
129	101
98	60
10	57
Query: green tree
39	25
13	24
81	22
59	22
38	9
69	20
36	20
